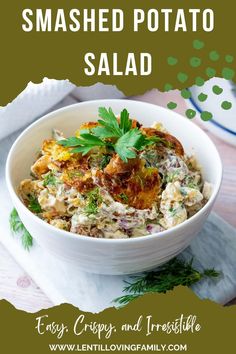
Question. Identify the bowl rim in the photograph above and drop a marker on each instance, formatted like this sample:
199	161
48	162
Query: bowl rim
85	238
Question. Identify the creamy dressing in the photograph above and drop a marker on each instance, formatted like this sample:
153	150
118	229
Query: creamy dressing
182	193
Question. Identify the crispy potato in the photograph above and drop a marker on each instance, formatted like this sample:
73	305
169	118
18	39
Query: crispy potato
81	180
57	152
170	139
61	158
28	187
117	166
41	166
131	183
47	146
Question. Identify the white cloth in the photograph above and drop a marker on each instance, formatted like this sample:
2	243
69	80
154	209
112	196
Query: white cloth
32	102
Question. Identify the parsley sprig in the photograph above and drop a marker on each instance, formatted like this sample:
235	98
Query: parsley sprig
171	274
110	128
117	135
17	227
127	145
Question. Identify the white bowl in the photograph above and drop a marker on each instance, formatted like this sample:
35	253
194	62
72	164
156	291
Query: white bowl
112	256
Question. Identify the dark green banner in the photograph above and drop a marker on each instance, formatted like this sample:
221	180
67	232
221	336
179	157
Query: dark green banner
177	321
137	45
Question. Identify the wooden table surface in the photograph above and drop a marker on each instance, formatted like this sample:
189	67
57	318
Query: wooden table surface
17	287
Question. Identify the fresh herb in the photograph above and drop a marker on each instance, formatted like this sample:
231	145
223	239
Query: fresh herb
109	126
151	157
104	161
121	137
192	182
183	191
173	273
83	145
93	200
33	175
174	211
34	205
127	145
125	122
17	227
171	176
192	185
49	180
168	144
99	160
74	173
150	140
124	197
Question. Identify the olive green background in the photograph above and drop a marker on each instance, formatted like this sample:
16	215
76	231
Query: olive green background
29	56
18	333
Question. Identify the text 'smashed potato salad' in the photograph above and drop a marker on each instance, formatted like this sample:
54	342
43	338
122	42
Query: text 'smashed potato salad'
114	179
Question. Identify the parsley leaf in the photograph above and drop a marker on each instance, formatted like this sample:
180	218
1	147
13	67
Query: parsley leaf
122	138
109	126
109	121
69	142
17	226
128	143
83	145
104	133
125	122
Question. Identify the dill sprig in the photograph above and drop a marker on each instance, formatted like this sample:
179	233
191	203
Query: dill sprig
164	278
49	180
93	200
123	197
34	205
105	159
17	227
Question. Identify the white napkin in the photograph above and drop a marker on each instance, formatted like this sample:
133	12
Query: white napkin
32	102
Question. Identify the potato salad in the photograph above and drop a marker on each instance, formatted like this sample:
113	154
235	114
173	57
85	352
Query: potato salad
114	178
